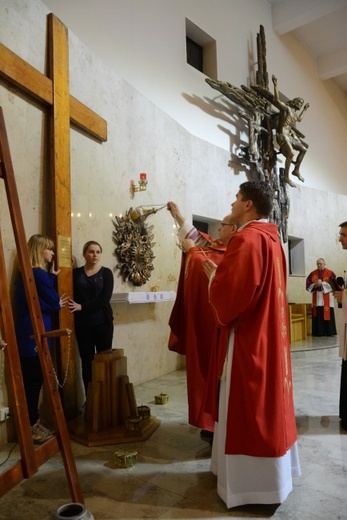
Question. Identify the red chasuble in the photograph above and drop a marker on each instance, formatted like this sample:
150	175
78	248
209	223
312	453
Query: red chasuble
193	329
248	294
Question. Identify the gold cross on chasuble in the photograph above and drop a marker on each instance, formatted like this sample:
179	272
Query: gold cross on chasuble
52	92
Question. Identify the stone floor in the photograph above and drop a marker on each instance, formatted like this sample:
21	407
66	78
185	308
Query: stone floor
314	343
172	479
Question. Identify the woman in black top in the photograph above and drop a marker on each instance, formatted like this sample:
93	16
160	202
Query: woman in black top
93	287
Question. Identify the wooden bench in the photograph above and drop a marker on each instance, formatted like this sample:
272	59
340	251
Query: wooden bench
297	318
309	318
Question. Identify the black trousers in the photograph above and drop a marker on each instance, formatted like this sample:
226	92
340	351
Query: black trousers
91	339
33	380
322	327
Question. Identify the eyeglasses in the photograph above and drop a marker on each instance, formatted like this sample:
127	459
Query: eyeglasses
225	224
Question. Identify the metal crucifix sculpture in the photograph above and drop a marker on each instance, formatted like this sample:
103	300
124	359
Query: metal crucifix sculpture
271	131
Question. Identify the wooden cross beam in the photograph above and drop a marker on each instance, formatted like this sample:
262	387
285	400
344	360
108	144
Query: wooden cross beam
52	92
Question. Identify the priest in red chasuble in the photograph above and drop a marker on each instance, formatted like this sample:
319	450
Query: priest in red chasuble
322	283
254	453
193	327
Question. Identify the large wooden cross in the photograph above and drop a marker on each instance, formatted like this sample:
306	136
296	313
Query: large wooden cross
52	92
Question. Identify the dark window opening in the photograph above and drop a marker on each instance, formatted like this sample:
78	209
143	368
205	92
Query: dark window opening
195	55
296	256
201	226
201	50
290	269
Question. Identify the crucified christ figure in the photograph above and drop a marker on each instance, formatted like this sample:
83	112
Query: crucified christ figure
288	137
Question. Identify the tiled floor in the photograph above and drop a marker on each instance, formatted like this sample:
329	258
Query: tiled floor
171	478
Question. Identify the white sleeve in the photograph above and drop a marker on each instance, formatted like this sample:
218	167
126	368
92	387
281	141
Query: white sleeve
184	230
326	287
189	231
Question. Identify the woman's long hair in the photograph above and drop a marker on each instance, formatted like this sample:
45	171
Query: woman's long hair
37	244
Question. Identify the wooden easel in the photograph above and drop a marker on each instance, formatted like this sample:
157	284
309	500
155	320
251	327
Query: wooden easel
31	457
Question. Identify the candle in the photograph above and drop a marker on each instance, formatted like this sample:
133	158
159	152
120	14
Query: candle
143	176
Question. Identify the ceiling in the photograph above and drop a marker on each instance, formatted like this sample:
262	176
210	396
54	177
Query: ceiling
321	26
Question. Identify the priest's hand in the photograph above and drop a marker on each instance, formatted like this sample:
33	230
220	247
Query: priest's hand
209	268
175	212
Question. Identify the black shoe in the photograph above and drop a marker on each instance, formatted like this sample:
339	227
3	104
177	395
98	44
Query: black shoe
207	436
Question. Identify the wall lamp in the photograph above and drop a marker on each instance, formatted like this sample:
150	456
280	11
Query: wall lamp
142	184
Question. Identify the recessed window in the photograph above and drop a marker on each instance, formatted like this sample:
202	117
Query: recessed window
195	54
201	50
296	256
206	225
201	226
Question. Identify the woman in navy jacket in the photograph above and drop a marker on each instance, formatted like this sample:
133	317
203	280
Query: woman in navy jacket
41	259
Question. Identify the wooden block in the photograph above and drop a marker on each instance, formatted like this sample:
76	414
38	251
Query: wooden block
100	378
107	355
96	420
124	402
118	369
131	399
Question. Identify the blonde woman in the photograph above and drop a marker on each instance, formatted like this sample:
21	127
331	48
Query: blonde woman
41	259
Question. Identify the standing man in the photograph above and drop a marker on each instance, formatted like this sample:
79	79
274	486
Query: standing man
319	283
341	298
193	328
254	453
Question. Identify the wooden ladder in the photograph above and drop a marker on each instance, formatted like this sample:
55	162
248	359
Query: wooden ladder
32	457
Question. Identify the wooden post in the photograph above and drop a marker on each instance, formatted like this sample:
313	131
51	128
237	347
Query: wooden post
52	92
